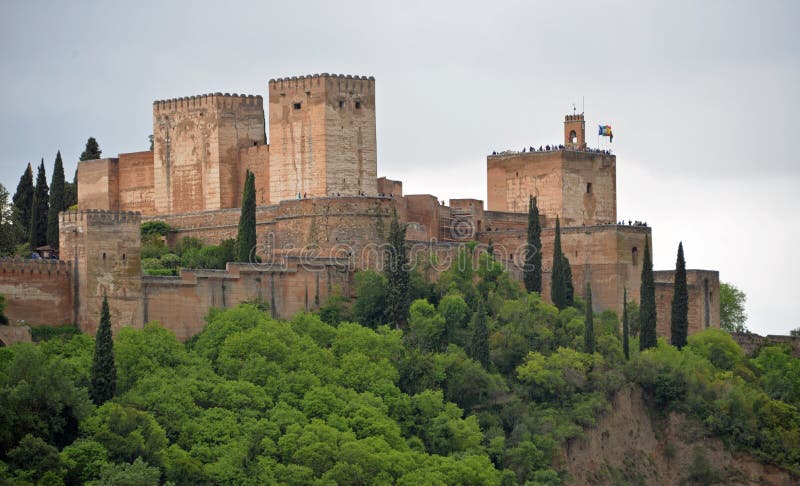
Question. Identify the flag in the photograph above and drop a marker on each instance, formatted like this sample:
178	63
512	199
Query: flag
605	131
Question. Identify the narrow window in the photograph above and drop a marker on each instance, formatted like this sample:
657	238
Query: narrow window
635	256
358	105
123	257
104	255
297	106
341	104
588	188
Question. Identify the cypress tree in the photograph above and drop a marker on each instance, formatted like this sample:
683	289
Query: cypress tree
38	235
23	203
397	273
532	273
588	329
679	324
56	202
92	150
479	344
625	331
569	289
71	191
246	237
103	384
558	288
647	303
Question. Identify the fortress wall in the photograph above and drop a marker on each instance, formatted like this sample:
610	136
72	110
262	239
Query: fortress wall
595	204
388	186
513	178
14	334
496	220
98	184
703	287
37	292
136	184
425	209
180	303
256	160
213	226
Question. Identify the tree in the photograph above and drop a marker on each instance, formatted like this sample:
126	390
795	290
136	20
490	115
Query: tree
625	331
56	201
558	286
9	231
479	344
589	344
732	316
92	150
38	235
71	191
23	202
569	288
103	384
532	273
647	306
370	306
246	237
397	274
679	322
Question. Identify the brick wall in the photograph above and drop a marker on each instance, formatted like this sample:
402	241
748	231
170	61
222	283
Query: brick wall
37	292
98	184
703	288
136	185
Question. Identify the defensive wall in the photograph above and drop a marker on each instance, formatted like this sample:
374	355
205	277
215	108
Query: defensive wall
37	291
752	343
703	289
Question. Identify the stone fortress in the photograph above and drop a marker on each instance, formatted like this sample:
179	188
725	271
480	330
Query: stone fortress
322	214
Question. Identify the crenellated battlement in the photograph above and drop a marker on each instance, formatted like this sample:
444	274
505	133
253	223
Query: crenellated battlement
210	100
318	81
37	268
576	117
100	216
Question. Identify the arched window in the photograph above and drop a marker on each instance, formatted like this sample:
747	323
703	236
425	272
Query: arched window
635	256
573	137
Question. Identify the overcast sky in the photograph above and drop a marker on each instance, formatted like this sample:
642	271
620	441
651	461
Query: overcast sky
702	96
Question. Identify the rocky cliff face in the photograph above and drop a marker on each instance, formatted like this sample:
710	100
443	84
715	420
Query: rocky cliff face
633	445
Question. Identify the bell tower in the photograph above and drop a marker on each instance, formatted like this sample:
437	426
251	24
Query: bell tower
575	131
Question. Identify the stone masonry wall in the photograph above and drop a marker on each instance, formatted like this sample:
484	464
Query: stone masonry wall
256	160
180	303
37	292
703	287
136	184
98	184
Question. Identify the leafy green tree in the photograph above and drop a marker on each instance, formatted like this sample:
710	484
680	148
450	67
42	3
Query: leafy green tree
9	229
679	322
397	274
92	150
38	235
558	285
589	344
479	344
370	306
647	308
71	191
34	458
23	202
625	330
246	237
456	313
426	326
732	315
137	473
532	273
56	201
103	384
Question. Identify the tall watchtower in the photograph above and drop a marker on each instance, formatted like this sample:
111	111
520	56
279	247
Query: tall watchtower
196	156
575	131
322	136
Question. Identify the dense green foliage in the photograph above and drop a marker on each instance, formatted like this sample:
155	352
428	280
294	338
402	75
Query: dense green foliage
103	378
56	201
252	400
92	150
39	208
246	236
532	272
589	343
190	252
679	317
732	316
23	203
647	305
398	278
626	345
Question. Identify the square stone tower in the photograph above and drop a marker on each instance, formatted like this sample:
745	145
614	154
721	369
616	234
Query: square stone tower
196	150
322	136
577	184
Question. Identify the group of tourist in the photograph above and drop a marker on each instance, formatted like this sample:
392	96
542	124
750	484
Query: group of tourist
550	148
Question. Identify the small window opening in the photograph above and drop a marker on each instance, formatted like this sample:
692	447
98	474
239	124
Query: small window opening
573	137
123	257
635	256
341	104
297	106
588	188
104	255
517	174
358	105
